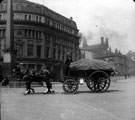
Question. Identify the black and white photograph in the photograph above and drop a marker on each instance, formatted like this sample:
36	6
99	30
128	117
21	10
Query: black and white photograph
67	59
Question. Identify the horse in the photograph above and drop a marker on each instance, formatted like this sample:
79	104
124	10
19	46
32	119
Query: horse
38	78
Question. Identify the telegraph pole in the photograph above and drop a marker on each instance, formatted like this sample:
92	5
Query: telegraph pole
9	51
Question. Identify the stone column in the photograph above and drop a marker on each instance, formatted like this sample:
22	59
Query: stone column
65	55
9	52
44	45
57	49
25	48
34	49
61	52
78	54
51	47
73	54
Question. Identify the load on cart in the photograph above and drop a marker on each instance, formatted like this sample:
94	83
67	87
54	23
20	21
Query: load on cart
96	74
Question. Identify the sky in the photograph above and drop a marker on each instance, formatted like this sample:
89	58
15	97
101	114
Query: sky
113	19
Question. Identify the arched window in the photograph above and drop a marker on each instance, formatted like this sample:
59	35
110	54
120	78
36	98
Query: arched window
29	18
40	19
25	17
36	18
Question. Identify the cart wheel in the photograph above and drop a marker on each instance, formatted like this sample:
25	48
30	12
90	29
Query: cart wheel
70	86
98	81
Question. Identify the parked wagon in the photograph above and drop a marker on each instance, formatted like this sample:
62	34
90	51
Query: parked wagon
96	74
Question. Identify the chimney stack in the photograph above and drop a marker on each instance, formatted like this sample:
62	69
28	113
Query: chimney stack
102	40
107	41
71	18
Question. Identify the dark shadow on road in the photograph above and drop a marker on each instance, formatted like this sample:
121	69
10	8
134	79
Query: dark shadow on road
78	92
108	91
40	93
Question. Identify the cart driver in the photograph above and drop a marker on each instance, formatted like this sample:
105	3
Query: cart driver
67	62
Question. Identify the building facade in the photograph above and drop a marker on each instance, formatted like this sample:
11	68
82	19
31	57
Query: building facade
123	64
41	36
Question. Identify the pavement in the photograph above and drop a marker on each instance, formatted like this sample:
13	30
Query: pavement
116	104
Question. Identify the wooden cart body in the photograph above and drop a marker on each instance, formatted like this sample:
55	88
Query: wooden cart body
96	74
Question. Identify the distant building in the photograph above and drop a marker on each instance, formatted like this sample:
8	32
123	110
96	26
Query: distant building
131	55
41	36
86	54
121	63
98	49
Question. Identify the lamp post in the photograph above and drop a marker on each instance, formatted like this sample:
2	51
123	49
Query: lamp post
9	51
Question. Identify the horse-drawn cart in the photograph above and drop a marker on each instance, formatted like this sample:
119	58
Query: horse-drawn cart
96	74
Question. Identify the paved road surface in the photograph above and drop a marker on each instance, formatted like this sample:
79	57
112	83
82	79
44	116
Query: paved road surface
118	103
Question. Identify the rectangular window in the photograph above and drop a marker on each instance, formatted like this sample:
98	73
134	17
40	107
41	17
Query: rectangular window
33	33
0	50
39	50
59	54
63	55
40	34
19	49
36	34
47	52
54	52
29	33
30	50
4	33
0	17
0	33
19	33
25	33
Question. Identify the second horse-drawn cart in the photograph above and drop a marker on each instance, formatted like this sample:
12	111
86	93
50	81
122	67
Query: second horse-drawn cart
96	74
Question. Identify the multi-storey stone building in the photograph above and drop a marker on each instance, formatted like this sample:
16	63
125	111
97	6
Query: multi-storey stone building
40	34
123	64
